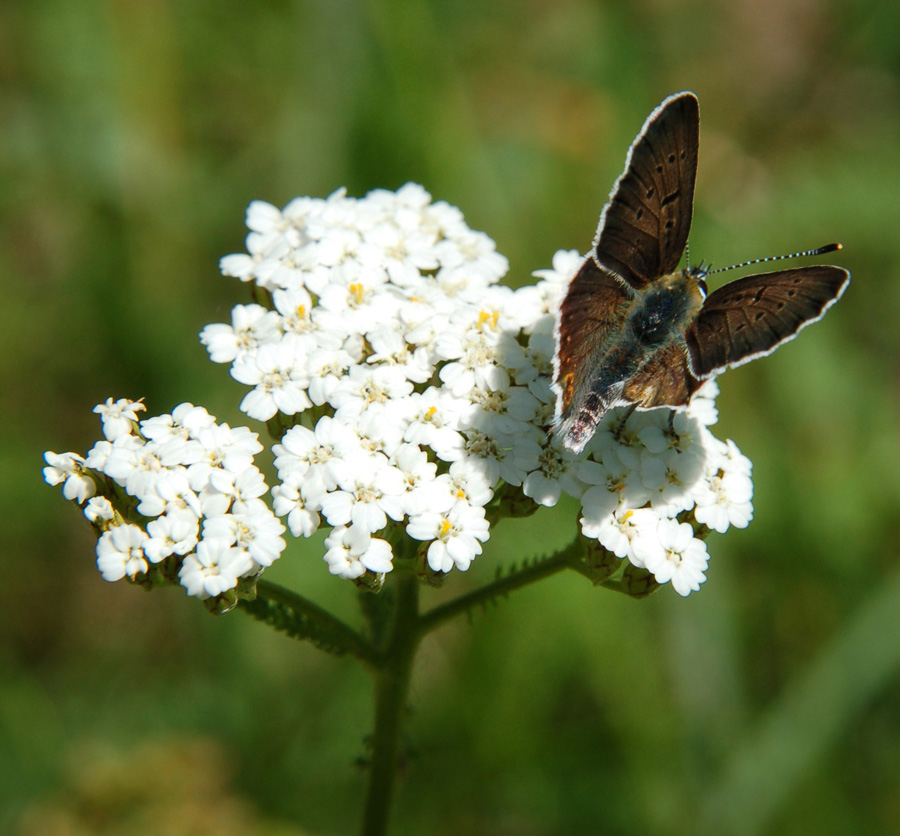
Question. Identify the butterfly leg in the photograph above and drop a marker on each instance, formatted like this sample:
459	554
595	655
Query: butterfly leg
672	423
620	428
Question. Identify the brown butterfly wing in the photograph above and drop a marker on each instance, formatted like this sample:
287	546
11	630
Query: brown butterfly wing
664	380
751	317
644	228
590	318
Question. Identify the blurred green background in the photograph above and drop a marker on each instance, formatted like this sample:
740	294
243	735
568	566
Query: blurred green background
132	137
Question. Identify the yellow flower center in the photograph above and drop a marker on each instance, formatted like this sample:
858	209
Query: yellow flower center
489	319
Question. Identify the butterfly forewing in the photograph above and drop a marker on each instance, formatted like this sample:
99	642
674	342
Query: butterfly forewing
644	227
589	318
751	317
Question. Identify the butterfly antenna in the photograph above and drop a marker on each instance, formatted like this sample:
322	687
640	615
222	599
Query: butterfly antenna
828	248
687	255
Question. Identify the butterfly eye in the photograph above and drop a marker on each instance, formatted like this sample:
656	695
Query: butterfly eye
704	288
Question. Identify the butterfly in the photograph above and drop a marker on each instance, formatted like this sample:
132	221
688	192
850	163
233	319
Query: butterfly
635	330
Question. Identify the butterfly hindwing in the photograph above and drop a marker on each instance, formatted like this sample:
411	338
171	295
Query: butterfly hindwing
751	317
644	228
665	380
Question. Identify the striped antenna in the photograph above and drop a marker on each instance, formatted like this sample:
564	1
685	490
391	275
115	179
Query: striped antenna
828	248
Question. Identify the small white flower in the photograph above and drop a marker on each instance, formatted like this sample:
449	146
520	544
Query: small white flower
172	533
390	348
675	555
565	266
472	253
421	323
371	490
351	551
358	297
278	371
433	417
670	481
615	486
316	455
326	369
251	326
381	426
255	529
137	468
99	510
418	476
732	459
725	498
702	407
339	558
365	385
288	499
223	447
68	469
120	552
226	489
169	490
265	218
504	410
468	483
185	421
119	417
540	301
619	531
239	265
557	472
214	568
510	459
534	365
477	365
402	252
455	534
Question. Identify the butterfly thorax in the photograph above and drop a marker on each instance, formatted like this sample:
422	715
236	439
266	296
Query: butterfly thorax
664	308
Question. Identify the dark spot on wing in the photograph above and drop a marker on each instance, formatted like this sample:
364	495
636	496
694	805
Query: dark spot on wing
671	198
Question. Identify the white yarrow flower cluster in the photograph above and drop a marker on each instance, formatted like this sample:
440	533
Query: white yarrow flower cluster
649	483
192	507
426	391
416	394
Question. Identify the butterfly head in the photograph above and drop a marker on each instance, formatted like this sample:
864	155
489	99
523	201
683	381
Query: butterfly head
699	273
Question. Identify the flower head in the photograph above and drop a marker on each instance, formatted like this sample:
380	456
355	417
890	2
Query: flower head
411	394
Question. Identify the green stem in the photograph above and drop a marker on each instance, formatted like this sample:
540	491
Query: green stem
396	632
567	558
301	618
392	679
